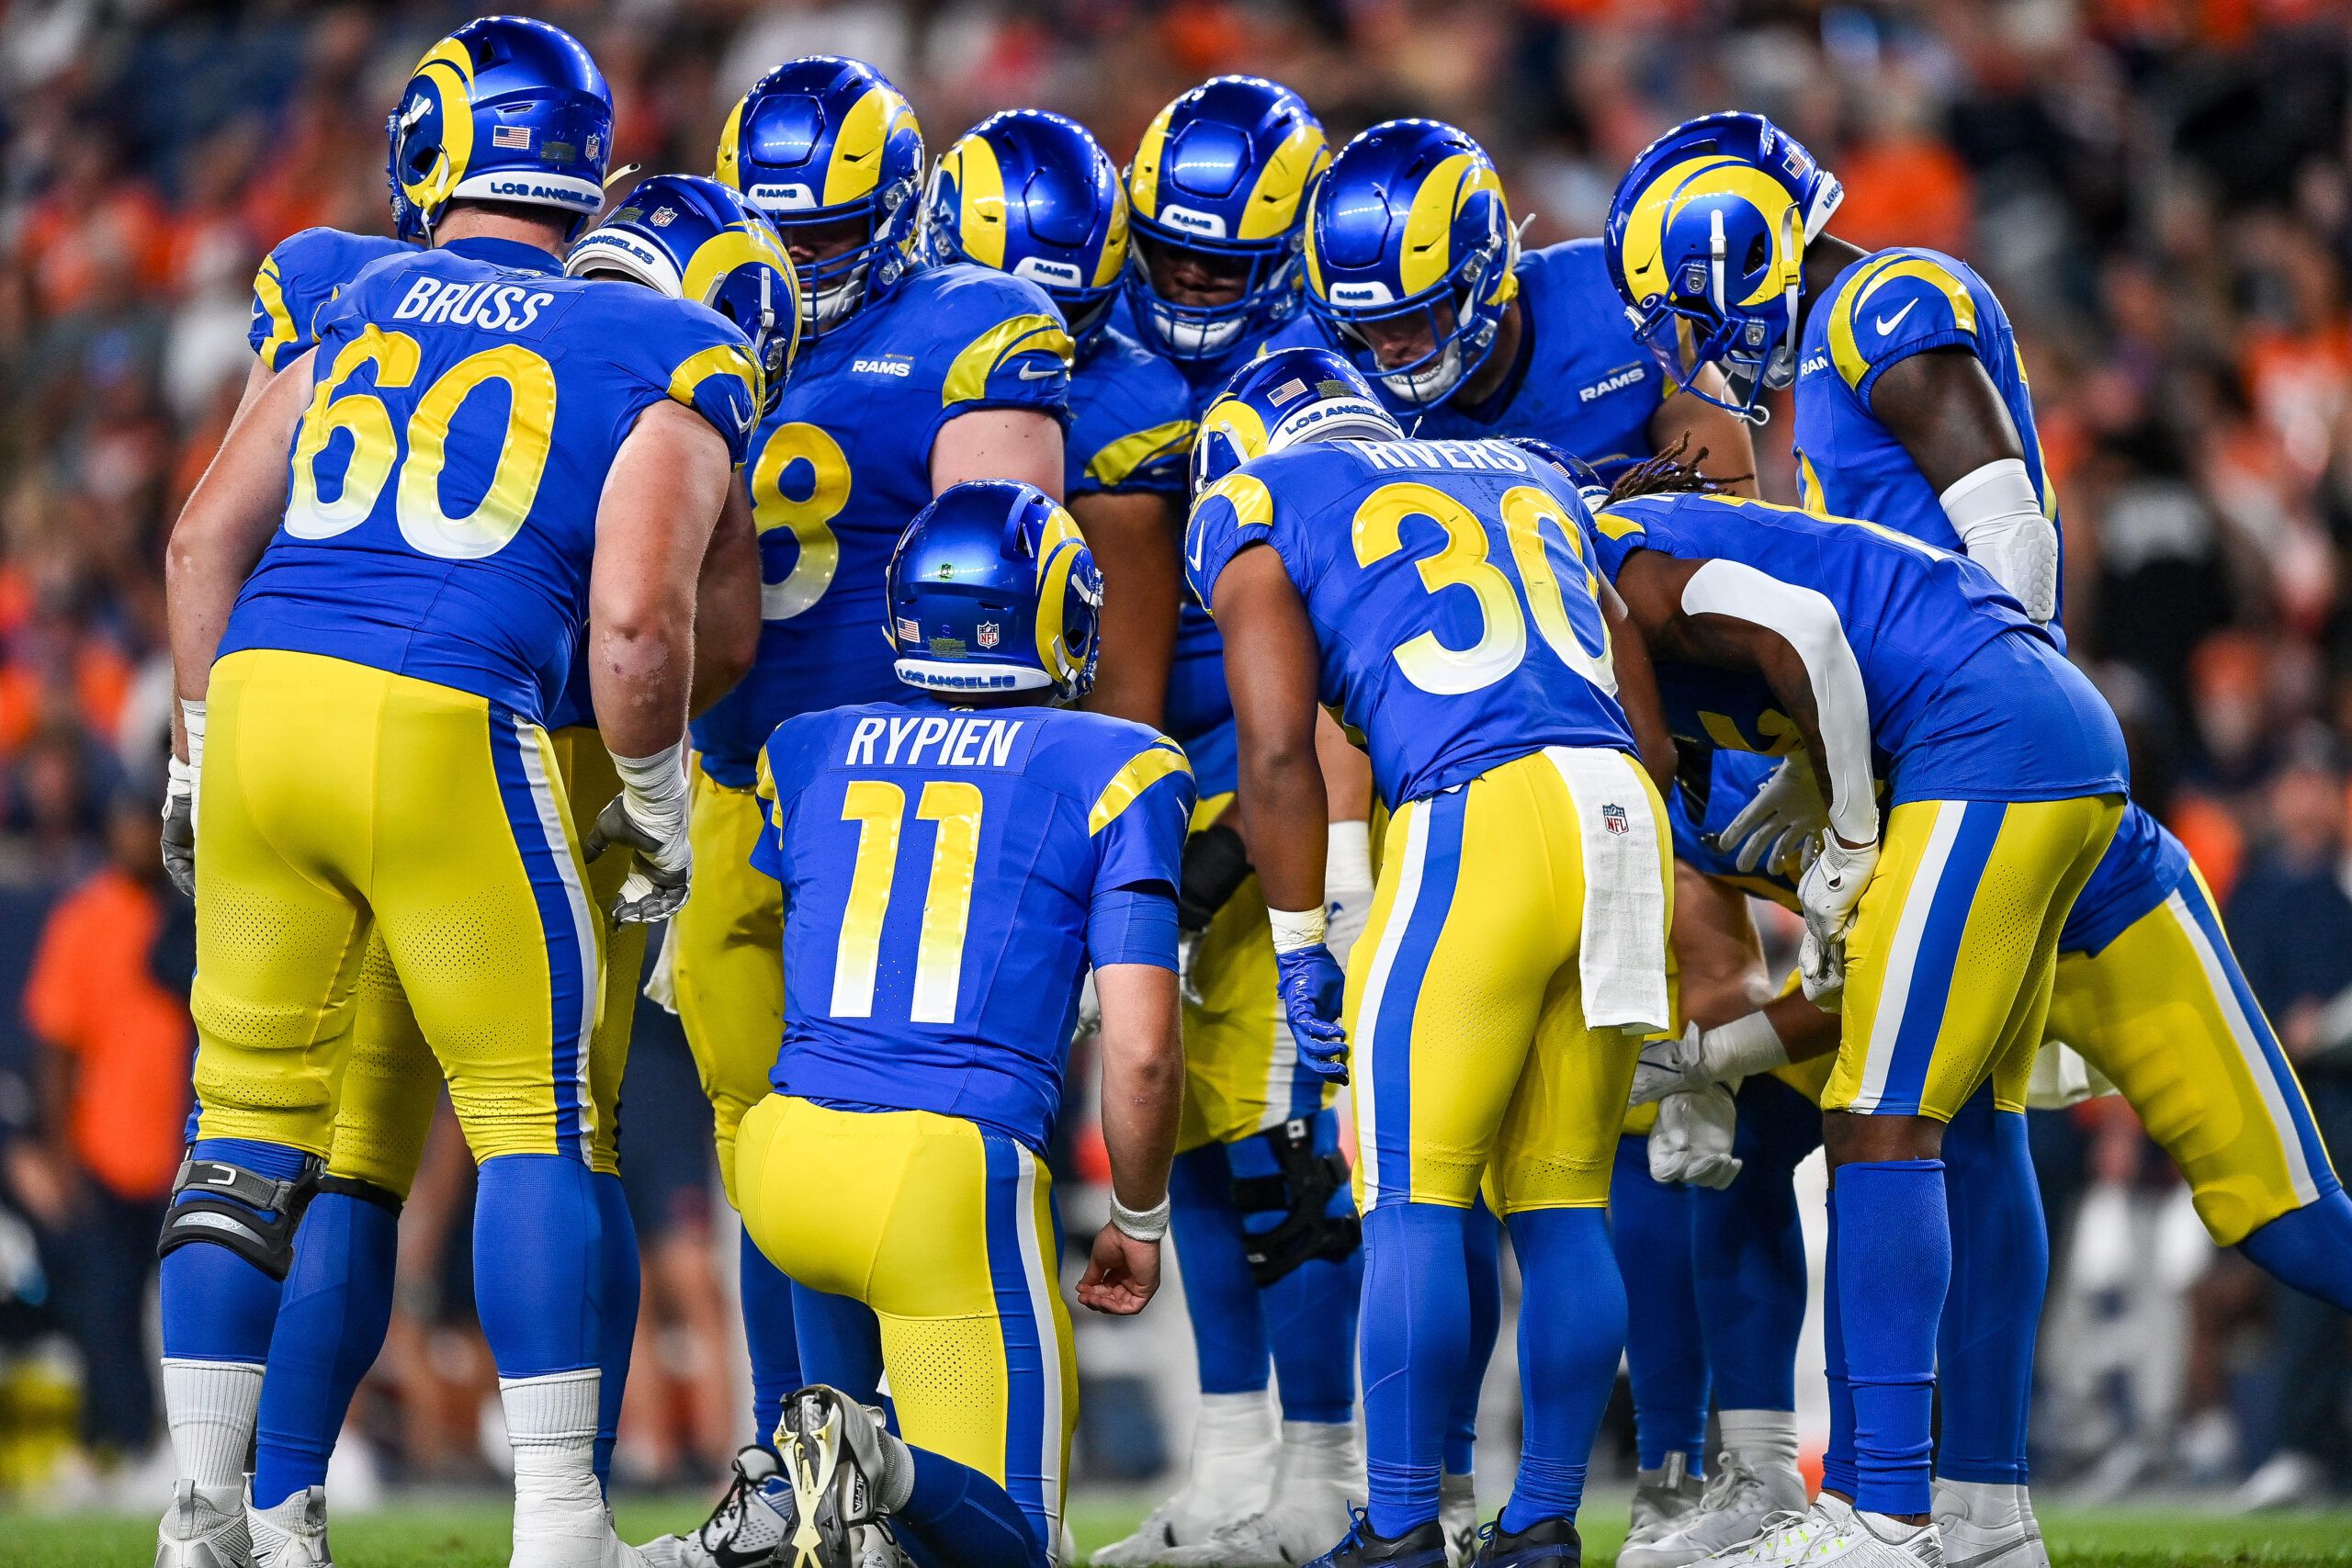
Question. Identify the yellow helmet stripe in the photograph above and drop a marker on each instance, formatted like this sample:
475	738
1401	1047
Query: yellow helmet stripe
450	69
968	376
1110	465
740	245
980	197
1115	244
1429	225
1142	771
1143	175
856	166
1273	200
1057	554
1240	424
728	170
1674	188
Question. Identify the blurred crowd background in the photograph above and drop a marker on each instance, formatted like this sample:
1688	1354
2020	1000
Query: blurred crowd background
2160	189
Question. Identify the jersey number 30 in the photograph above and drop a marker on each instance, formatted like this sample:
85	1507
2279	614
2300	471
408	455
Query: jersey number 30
879	810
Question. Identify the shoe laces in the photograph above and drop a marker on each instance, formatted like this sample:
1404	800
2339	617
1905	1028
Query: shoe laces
1731	1480
727	1517
1786	1536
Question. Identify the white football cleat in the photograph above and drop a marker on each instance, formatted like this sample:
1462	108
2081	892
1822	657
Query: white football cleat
1232	1468
1731	1511
838	1461
744	1528
1457	1515
292	1534
1834	1532
1664	1499
1988	1526
204	1528
1318	1472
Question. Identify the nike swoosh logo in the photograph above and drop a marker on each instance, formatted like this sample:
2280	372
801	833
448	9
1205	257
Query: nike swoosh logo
1029	374
1994	1555
1888	323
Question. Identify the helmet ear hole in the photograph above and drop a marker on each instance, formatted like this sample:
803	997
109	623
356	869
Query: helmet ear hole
1759	251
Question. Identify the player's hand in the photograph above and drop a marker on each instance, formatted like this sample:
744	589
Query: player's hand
1834	885
179	825
1821	969
1670	1066
1771	831
1121	1275
1089	1010
1692	1142
1309	982
650	817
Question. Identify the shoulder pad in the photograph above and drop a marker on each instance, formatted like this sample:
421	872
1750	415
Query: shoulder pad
1894	305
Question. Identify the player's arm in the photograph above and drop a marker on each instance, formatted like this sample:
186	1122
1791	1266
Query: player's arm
1143	1093
1942	406
1637	690
1736	1029
999	443
1719	441
1136	542
727	602
662	500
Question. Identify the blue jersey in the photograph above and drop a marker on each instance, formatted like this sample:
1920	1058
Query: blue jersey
939	868
1131	422
469	404
300	277
1457	619
1968	699
844	463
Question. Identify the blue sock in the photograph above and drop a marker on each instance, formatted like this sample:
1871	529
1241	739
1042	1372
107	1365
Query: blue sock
1483	1250
1414	1345
957	1518
1747	1253
538	1278
217	1307
1310	1313
2000	1266
1893	1270
330	1322
1838	1472
769	1334
1666	1358
1227	1316
1571	1331
618	1262
2309	1249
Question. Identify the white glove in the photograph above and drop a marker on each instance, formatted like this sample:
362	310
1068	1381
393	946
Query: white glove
1821	968
1771	831
1834	885
1692	1142
1347	887
1701	1059
1671	1066
649	815
183	782
1188	954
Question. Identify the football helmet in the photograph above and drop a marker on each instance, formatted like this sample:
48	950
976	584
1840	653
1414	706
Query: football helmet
1033	194
1705	240
1223	172
993	589
1281	398
1410	221
505	109
819	141
695	239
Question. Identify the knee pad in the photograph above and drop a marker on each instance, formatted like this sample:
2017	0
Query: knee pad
251	1215
1300	1192
384	1198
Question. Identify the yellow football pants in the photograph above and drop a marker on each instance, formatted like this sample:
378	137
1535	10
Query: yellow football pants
947	1232
727	962
341	802
1954	948
1465	1008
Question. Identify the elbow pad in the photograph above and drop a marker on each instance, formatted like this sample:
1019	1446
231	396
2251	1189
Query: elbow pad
1215	864
1999	519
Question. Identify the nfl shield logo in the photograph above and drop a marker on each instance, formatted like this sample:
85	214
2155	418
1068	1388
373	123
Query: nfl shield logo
987	634
664	215
1614	818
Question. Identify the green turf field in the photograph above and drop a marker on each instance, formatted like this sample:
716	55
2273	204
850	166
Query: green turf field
472	1533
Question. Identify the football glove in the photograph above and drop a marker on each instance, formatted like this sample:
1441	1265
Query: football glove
1833	885
180	785
1347	887
1671	1066
1771	831
1310	985
649	815
1692	1139
1821	968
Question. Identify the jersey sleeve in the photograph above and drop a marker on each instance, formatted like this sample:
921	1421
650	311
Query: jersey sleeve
1907	303
1130	428
1002	345
1618	530
767	850
303	273
697	358
1231	514
1139	817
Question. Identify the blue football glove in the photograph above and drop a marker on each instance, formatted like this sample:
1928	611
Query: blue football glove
1310	985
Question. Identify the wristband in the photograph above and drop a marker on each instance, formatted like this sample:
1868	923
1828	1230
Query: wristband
1141	1224
1746	1046
192	726
1347	854
658	782
1294	929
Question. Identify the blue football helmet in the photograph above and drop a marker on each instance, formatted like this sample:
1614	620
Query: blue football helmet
694	239
1033	194
1223	172
819	141
993	589
505	109
1283	399
1706	238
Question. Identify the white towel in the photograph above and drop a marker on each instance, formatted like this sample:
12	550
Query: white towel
1621	960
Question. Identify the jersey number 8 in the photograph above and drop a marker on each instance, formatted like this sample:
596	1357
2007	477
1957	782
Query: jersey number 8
515	483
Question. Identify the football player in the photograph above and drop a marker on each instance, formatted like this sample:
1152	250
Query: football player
909	379
1033	194
1414	270
2006	782
378	668
1516	946
1264	1222
1912	408
952	862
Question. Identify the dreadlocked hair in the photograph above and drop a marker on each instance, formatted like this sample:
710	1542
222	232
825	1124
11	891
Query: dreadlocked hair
1670	473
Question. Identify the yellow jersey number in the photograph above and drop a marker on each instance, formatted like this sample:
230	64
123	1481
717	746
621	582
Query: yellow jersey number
810	516
523	447
1571	627
879	810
